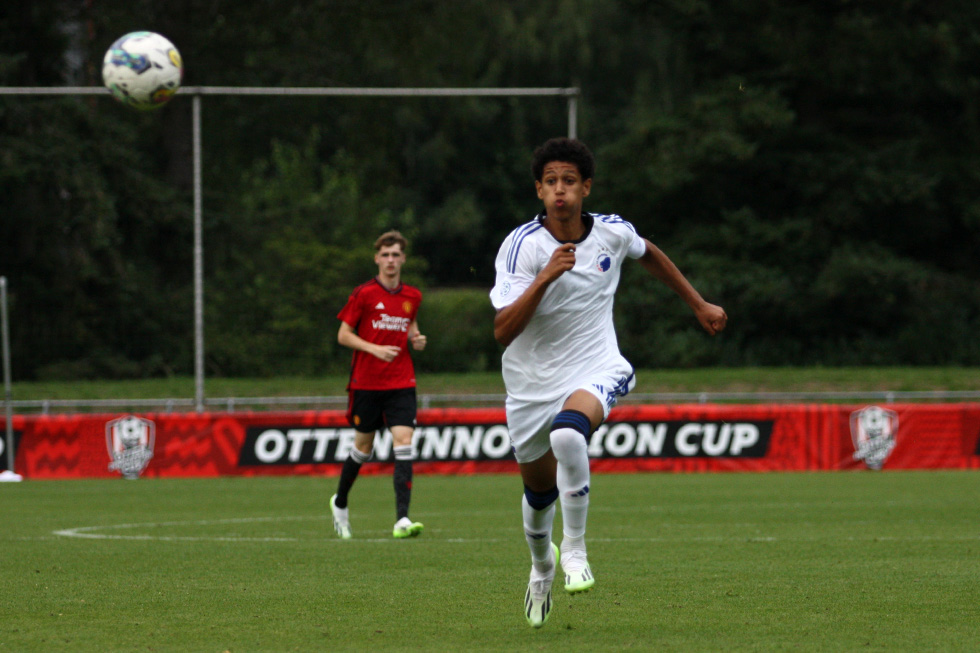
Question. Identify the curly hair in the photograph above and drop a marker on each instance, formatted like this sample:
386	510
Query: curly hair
568	150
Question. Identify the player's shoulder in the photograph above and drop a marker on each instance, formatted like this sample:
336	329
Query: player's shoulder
612	222
365	287
613	229
525	231
410	291
519	241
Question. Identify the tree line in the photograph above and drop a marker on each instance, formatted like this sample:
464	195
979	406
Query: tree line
811	166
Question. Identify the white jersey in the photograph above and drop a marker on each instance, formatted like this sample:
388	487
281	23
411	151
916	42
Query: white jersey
571	334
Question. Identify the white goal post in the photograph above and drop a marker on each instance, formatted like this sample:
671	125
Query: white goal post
571	94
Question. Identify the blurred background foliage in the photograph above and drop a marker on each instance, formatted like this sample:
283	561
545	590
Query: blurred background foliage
811	166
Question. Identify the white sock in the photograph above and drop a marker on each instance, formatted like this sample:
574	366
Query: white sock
537	532
572	453
359	457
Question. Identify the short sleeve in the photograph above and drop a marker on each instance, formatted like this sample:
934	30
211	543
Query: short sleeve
351	312
515	269
638	246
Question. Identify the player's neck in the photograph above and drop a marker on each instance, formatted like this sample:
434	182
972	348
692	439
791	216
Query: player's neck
391	283
568	229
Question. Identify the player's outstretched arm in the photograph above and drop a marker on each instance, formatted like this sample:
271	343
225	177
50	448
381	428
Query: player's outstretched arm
711	317
512	319
348	338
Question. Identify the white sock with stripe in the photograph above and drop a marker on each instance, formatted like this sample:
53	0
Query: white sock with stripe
537	532
573	477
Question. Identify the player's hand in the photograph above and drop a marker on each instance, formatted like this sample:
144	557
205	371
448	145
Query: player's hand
712	318
562	260
387	353
418	342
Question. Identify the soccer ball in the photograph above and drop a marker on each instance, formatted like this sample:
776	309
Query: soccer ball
142	70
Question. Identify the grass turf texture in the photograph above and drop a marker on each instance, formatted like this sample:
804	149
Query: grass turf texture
814	562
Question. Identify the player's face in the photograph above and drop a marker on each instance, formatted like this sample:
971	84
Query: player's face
390	260
562	189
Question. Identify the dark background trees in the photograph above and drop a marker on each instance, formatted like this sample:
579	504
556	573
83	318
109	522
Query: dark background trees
811	166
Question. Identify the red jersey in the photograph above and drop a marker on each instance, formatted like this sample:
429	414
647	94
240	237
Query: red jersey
382	316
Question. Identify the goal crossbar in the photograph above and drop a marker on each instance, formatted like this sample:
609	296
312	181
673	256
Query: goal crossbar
196	92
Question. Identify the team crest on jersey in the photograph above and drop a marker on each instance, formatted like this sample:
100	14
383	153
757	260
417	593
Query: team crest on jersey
505	289
407	307
130	443
603	261
873	431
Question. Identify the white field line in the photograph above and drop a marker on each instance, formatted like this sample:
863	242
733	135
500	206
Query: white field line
98	532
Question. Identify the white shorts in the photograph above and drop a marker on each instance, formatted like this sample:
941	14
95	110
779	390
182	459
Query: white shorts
529	422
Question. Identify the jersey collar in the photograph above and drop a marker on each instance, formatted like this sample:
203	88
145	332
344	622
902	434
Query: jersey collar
587	220
391	291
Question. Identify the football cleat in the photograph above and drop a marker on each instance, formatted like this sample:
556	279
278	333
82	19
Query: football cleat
341	522
537	599
405	527
578	573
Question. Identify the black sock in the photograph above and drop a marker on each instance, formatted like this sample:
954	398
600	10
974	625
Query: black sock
347	477
403	487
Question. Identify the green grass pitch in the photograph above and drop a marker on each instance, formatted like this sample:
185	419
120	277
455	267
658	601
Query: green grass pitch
858	561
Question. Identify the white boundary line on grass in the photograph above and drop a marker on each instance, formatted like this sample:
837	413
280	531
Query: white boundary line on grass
86	532
91	533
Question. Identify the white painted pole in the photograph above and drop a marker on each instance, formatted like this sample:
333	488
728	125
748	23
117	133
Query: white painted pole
573	116
5	337
198	264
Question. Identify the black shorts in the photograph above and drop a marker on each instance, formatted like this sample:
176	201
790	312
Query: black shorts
371	410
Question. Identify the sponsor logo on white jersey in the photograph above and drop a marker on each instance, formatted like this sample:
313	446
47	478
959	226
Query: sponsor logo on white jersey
602	261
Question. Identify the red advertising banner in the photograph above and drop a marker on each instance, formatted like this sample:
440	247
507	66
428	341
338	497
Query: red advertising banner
682	438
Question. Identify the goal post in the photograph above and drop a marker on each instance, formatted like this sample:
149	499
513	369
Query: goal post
571	94
9	474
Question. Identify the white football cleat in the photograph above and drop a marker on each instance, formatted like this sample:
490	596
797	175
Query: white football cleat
405	527
578	573
341	521
537	599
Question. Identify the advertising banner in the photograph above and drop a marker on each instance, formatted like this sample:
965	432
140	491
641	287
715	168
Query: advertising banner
680	438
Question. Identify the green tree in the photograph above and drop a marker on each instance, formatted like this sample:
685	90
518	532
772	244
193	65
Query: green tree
812	166
304	234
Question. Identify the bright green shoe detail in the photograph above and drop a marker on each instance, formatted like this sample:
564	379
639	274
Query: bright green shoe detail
406	528
579	581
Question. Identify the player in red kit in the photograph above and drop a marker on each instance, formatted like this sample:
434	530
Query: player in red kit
378	323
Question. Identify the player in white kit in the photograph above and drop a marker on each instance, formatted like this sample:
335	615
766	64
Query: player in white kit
556	280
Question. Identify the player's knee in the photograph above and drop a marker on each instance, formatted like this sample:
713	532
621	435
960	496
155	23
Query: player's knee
360	457
574	420
540	500
566	442
570	435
